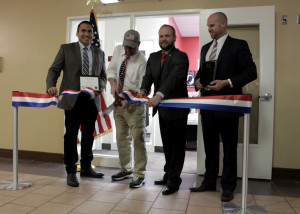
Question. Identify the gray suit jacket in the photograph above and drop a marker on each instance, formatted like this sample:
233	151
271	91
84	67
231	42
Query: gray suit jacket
69	60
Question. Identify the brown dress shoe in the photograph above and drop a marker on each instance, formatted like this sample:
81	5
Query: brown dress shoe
226	196
202	188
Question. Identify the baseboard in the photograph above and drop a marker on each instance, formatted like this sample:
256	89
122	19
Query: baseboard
277	173
283	173
31	155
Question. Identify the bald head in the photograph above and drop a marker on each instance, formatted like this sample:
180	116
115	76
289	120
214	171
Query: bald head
217	24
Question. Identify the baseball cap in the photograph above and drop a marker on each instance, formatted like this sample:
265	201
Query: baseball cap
131	38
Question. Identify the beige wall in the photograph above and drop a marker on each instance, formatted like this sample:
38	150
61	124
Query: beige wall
32	30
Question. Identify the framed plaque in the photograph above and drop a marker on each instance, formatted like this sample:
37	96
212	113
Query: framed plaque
89	81
208	72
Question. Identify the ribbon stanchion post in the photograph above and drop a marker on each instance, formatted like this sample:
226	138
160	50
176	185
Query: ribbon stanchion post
242	207
17	183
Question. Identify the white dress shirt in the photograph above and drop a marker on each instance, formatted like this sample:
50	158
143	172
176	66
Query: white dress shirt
136	68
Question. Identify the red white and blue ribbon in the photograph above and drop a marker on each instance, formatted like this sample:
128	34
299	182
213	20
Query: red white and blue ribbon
27	99
232	103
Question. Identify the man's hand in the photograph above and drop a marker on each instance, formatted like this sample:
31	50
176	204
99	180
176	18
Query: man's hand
99	91
113	86
52	91
141	94
198	84
125	104
217	85
154	101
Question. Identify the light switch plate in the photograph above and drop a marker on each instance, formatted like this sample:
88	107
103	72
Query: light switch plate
284	20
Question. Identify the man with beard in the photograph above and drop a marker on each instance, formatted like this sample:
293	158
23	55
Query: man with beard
167	69
235	68
125	72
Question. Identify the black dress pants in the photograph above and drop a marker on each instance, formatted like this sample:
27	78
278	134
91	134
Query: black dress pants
84	113
173	134
213	127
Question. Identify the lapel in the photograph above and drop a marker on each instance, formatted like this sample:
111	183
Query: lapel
76	49
224	48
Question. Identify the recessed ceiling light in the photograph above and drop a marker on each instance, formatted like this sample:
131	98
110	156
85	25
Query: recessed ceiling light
109	1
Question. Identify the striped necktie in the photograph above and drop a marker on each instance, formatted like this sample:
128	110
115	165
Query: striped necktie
85	66
122	74
213	53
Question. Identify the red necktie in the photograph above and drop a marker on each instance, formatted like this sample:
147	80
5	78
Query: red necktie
162	59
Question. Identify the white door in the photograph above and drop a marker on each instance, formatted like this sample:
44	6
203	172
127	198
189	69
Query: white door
261	152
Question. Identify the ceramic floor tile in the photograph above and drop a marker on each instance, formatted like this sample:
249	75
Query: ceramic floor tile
206	199
50	208
70	198
127	205
238	198
5	199
14	208
17	193
164	211
111	197
297	210
86	189
275	206
203	210
92	183
115	187
170	203
142	195
94	207
120	212
294	202
268	198
183	194
52	190
32	200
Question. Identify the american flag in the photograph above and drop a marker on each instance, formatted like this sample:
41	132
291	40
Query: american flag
93	21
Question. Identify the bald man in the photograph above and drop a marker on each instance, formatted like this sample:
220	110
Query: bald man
235	69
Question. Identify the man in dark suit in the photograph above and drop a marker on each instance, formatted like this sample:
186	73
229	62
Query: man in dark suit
235	68
79	109
168	69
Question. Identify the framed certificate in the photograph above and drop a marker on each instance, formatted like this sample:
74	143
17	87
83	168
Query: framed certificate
208	72
89	81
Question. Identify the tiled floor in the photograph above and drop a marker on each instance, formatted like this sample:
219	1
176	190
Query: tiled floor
50	194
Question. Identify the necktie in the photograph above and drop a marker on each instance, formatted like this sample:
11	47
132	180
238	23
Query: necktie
122	74
213	52
162	59
85	69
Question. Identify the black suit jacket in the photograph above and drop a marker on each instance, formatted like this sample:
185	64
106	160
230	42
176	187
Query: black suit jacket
235	63
170	79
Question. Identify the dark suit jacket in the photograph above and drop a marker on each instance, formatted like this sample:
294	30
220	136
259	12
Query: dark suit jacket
234	62
69	60
169	80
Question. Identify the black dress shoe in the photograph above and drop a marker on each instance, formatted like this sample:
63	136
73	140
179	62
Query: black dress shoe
202	188
160	182
90	172
169	190
72	180
226	196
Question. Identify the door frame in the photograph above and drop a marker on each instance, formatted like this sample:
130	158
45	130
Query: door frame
261	154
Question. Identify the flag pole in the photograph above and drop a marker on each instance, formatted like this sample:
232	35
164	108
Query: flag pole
16	184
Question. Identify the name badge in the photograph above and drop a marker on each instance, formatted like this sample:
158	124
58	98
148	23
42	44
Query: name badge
89	81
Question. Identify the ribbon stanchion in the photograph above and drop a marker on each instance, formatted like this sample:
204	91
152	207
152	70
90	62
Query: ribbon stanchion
16	184
232	103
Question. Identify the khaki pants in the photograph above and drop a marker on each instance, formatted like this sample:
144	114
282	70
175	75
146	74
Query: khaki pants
130	125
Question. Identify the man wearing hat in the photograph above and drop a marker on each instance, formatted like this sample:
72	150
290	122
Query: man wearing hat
124	72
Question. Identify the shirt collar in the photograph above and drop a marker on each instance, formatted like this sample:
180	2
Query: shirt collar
83	46
133	57
222	39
